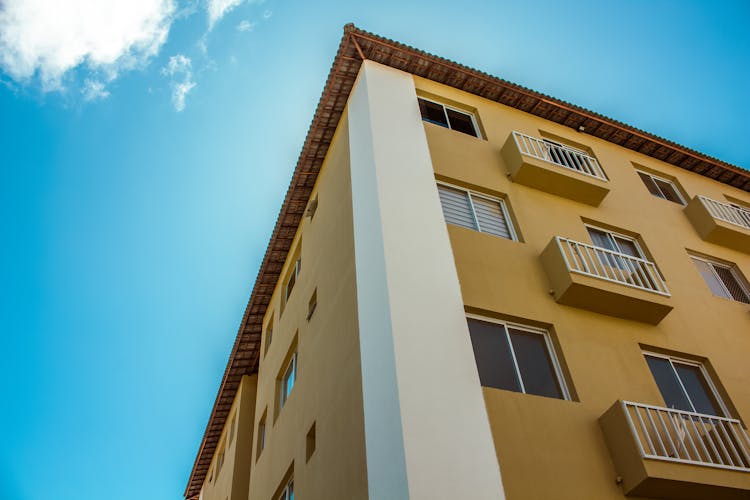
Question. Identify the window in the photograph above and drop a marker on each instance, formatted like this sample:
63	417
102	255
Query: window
621	268
573	158
724	280
445	116
287	380
269	334
661	188
219	461
287	493
616	242
261	441
743	213
516	358
230	435
684	385
475	211
312	207
293	274
312	305
310	442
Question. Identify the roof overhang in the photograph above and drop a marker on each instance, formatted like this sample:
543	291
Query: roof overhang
357	45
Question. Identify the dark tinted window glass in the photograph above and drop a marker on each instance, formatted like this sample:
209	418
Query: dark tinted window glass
461	122
535	364
668	191
492	353
650	184
432	112
697	388
669	386
601	239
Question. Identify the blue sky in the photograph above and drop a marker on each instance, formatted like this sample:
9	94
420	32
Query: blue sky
133	221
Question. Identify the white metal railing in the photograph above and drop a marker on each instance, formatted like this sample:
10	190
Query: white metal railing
688	437
726	212
611	266
560	155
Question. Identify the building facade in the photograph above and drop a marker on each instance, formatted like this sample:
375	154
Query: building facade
477	291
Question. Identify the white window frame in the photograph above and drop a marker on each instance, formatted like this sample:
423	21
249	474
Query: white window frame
295	272
641	253
474	122
733	269
712	387
501	201
288	488
283	395
556	368
668	181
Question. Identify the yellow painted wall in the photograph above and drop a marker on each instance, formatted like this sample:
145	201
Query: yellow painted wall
553	449
328	388
231	481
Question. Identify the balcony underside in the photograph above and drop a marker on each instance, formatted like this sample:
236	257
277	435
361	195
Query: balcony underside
716	230
647	477
552	178
598	295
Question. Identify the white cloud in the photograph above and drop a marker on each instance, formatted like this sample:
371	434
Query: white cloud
246	25
267	14
93	90
179	92
218	8
48	39
180	71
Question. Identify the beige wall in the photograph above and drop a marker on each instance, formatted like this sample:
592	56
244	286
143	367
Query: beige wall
328	390
550	448
231	481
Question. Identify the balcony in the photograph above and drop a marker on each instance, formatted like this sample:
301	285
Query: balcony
605	281
555	168
672	454
720	223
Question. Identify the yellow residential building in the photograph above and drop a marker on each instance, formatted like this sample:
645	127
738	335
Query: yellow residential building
476	291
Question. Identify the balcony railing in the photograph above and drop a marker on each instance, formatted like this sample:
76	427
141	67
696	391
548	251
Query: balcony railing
688	437
611	266
560	155
726	212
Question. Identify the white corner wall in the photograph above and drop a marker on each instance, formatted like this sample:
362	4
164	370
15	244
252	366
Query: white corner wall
427	434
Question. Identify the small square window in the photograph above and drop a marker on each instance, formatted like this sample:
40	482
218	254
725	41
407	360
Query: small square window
448	117
269	336
312	305
661	188
310	442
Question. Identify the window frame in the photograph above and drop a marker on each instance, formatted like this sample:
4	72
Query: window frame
739	278
293	274
289	368
288	487
706	376
474	121
551	351
612	235
672	183
260	442
478	228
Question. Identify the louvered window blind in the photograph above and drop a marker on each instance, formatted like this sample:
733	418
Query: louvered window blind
475	211
723	280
